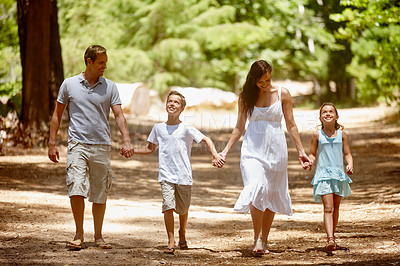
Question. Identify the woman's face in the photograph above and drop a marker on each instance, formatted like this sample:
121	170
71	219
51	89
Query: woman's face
264	83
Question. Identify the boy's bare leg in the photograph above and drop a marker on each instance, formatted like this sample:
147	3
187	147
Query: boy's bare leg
169	226
78	210
182	227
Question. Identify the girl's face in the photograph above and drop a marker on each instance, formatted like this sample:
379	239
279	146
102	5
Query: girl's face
328	115
174	104
264	84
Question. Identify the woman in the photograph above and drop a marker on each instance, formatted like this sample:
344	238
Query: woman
264	154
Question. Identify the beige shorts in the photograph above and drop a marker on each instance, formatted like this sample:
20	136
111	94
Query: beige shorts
176	197
89	171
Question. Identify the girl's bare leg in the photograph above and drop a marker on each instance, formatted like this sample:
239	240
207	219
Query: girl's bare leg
336	203
329	206
327	201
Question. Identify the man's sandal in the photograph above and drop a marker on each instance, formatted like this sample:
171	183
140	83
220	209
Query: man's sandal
103	245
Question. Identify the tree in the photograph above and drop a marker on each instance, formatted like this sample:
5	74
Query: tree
338	58
42	71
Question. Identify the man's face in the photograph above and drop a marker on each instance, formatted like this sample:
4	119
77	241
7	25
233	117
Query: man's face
99	65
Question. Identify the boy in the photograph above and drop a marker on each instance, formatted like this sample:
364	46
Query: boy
175	173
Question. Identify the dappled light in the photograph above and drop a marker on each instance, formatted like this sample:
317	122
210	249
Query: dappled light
36	216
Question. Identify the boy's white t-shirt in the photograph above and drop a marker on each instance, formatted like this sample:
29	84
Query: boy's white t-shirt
174	149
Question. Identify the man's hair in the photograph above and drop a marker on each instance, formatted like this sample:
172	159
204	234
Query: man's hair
92	51
183	100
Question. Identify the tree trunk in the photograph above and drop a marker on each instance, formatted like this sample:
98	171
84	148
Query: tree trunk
42	71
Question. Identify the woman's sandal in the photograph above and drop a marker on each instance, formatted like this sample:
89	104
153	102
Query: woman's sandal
183	245
256	250
265	247
331	246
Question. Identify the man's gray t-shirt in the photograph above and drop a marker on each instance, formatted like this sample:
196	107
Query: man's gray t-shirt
89	108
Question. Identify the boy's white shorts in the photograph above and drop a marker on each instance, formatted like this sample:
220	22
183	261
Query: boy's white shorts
176	197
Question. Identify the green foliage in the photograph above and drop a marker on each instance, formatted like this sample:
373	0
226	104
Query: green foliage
10	67
378	56
373	27
8	25
129	65
212	43
83	23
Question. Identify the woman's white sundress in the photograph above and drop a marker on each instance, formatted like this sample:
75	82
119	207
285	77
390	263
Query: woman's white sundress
263	162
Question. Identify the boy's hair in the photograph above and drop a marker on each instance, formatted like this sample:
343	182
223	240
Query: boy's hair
92	51
183	100
337	125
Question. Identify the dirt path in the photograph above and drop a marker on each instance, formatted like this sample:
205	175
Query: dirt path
36	221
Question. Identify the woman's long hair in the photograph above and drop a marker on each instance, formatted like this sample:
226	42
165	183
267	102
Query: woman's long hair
250	90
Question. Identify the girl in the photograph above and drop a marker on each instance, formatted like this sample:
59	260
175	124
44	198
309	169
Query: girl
264	156
330	181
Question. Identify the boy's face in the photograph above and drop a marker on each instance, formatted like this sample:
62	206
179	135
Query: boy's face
174	105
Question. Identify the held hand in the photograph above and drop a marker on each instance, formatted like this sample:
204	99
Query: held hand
305	162
126	150
53	153
308	165
218	161
349	169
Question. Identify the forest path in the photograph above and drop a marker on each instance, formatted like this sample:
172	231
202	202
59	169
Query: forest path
36	221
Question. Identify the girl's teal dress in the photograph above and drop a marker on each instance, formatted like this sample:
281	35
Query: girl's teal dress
330	176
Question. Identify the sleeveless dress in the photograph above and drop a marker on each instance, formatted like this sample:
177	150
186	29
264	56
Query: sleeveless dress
263	162
329	176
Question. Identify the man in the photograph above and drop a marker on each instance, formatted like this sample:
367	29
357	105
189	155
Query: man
90	97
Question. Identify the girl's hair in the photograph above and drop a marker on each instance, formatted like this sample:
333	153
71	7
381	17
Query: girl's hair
337	125
250	90
183	100
92	51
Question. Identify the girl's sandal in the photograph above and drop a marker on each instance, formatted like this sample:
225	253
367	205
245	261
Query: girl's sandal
331	246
